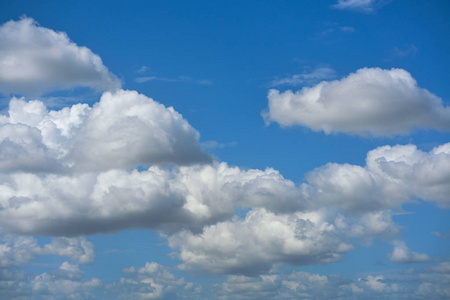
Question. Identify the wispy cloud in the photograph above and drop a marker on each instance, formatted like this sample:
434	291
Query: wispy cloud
185	79
409	51
306	78
365	6
142	69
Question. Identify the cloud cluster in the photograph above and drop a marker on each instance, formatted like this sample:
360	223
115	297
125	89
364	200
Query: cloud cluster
35	60
371	101
195	205
426	283
130	162
17	250
124	129
256	244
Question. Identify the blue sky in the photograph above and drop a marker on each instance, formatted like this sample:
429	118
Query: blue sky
224	149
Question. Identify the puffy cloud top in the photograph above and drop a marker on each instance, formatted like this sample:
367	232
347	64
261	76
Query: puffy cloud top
35	60
371	101
124	129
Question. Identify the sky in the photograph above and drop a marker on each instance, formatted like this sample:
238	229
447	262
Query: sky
225	149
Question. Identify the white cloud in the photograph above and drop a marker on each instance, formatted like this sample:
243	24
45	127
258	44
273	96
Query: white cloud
64	283
402	255
17	250
185	79
366	6
124	129
80	250
316	75
259	242
35	60
392	175
371	101
153	281
129	129
184	197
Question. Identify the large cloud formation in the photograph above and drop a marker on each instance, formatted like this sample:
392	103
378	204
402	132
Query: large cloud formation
124	129
371	101
35	60
130	162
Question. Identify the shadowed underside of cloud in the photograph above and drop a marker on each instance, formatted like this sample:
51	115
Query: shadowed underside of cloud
35	60
371	101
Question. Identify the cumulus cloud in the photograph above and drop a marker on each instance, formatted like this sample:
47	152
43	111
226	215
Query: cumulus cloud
35	60
165	198
17	250
371	101
366	6
153	281
392	175
403	255
255	245
124	129
80	250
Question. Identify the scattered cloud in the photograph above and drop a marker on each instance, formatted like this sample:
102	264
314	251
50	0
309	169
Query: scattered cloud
425	283
440	235
371	101
364	6
142	69
185	79
410	51
307	78
402	255
35	60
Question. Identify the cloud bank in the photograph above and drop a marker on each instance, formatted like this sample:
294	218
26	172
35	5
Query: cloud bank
35	60
371	101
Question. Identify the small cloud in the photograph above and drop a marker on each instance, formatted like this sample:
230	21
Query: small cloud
185	79
410	51
216	145
347	29
306	78
403	255
364	6
142	69
152	78
440	235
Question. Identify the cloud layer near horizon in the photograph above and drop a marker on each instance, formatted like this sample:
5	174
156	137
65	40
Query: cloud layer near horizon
35	60
371	101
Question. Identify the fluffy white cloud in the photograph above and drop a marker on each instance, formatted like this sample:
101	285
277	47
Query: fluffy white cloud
255	245
81	250
180	197
63	283
403	255
17	250
35	60
371	101
392	175
124	129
